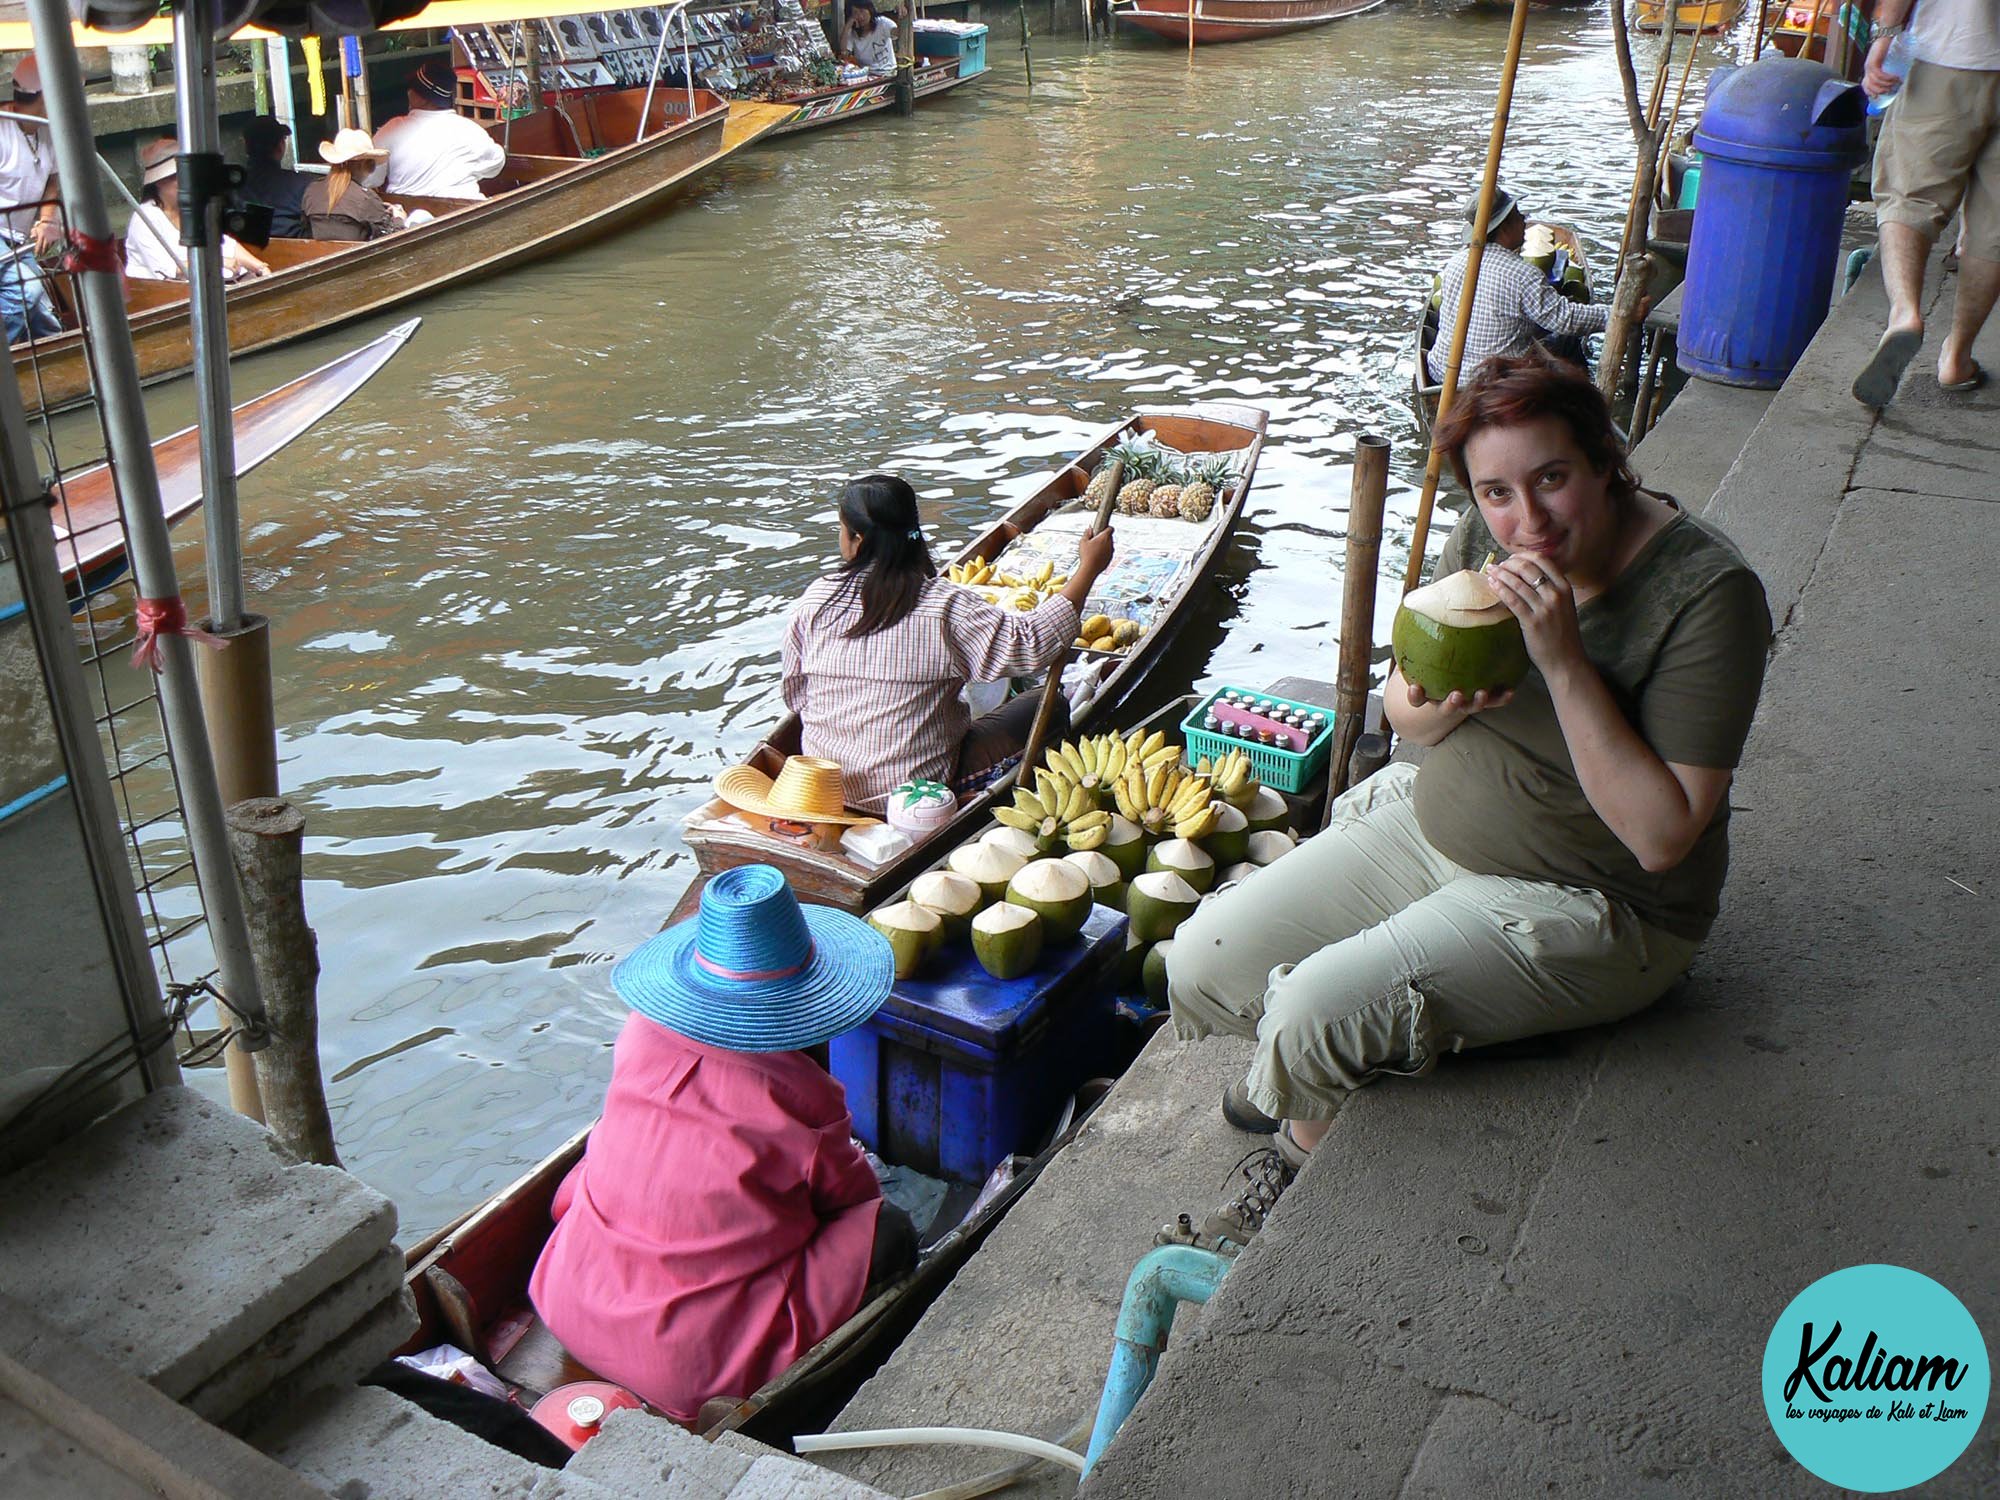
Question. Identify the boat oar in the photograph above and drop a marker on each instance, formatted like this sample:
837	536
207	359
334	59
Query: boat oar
1045	714
1495	143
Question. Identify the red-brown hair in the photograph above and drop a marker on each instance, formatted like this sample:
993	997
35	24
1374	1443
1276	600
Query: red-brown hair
1512	392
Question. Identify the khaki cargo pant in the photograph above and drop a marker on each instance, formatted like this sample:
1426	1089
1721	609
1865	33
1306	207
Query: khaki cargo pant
1365	951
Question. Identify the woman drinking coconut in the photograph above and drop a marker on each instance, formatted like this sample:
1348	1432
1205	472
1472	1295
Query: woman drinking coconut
1557	859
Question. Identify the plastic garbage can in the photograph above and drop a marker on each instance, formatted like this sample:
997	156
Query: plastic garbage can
1778	142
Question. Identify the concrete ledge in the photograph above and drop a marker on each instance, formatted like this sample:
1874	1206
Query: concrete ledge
367	1442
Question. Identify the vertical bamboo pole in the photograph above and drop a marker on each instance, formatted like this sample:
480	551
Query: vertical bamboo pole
1496	142
1366	497
1038	732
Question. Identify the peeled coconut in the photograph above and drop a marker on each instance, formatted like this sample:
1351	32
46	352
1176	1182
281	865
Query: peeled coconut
952	896
1235	873
1186	859
1268	809
1125	845
1107	881
913	932
1158	903
1270	846
988	866
1229	839
1154	971
1456	636
1058	891
1007	939
1019	840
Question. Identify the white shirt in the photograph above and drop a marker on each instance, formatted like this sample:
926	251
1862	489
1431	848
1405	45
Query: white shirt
1957	34
434	153
1513	304
875	52
26	164
148	259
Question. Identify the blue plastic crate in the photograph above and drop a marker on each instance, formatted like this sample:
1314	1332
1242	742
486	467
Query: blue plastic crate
960	1069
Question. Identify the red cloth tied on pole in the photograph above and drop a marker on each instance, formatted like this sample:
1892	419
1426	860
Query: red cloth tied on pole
85	253
163	617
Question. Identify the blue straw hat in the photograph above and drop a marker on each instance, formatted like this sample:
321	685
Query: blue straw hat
757	972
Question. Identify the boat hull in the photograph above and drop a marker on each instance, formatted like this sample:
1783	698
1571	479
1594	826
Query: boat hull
1689	15
1234	20
837	106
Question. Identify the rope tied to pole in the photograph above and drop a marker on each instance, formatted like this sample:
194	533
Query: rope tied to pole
158	618
84	252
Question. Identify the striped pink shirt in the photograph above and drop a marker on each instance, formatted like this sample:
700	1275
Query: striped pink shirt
886	706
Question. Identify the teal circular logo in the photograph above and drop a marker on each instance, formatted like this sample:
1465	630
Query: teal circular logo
1875	1378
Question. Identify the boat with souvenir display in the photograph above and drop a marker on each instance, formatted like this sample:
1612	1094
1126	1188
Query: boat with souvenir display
1689	15
1199	22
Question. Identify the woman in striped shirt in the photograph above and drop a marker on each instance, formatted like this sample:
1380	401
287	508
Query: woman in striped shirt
878	652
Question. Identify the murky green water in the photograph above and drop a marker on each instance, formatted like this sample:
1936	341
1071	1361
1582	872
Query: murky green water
528	585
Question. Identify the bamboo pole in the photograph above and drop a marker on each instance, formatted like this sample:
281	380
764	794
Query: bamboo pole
1495	142
1038	733
1366	496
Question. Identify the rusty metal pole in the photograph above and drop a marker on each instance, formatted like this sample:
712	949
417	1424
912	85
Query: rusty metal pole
1366	497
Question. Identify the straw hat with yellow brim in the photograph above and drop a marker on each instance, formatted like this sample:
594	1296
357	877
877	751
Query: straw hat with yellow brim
350	145
807	790
754	971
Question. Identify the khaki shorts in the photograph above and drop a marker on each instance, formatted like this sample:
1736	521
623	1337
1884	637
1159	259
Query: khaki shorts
1365	951
1940	146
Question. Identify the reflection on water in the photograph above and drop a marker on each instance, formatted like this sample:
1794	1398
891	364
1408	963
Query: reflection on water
528	584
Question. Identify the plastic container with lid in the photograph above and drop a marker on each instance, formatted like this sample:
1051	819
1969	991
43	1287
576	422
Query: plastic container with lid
576	1411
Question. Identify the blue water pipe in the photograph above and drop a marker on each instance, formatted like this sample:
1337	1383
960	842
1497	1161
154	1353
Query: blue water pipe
1164	1278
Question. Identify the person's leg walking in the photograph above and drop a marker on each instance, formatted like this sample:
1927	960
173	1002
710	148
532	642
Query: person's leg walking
1979	254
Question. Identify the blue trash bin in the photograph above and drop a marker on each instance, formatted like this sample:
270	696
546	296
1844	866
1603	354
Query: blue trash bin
1778	141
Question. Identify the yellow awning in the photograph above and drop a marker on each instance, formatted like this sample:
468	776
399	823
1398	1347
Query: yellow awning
15	35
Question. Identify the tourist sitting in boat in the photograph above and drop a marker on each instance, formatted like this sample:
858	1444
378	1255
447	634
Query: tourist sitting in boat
32	224
267	181
338	206
722	1220
1515	307
435	152
1558	857
878	652
153	249
869	42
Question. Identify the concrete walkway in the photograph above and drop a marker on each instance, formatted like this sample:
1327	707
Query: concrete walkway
1557	1277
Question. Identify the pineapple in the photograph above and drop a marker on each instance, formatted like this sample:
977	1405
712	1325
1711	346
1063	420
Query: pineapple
1133	499
1197	501
1165	501
1100	482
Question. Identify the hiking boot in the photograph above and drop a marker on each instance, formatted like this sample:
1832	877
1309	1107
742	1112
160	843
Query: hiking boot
1240	1112
1266	1175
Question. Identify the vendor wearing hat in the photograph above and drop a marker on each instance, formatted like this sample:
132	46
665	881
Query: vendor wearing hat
434	152
267	181
722	1220
1515	307
339	207
153	239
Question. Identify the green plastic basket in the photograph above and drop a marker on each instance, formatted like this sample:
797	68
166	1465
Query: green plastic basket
1282	770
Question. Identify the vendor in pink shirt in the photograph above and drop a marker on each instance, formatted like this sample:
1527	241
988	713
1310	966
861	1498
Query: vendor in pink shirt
722	1220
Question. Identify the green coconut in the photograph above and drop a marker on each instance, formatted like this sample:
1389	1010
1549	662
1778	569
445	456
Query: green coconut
1268	809
1058	891
952	896
1186	859
1125	846
1158	903
1154	971
988	866
1270	845
1235	873
1007	939
1019	840
1132	963
914	933
1457	636
1229	840
1107	881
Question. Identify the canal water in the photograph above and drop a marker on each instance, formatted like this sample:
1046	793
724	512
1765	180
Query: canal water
528	585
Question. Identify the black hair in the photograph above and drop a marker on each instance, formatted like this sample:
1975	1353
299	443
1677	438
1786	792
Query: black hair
867	5
893	562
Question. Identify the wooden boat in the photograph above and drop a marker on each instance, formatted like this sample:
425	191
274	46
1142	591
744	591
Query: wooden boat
1689	15
1424	392
551	196
90	537
819	869
1231	20
934	75
1803	28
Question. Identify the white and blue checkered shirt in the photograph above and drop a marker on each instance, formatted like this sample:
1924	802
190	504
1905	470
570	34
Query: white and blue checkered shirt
1514	306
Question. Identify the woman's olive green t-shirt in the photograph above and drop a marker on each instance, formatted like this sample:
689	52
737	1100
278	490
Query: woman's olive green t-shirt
1680	638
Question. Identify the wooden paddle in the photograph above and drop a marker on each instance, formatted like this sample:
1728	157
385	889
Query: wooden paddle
1045	714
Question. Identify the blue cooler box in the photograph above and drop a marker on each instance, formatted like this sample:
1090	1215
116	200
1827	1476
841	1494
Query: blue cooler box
964	40
959	1069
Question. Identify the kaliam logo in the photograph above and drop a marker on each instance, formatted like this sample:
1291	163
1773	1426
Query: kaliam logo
1876	1378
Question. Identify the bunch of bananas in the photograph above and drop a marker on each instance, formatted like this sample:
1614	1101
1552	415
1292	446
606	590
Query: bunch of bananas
1093	764
1060	810
1232	777
1162	796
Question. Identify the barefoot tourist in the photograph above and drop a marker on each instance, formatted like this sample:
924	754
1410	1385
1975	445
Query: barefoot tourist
1558	858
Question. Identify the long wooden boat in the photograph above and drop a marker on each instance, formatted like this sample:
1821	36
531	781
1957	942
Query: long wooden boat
552	195
1209	21
1689	15
818	867
1803	28
90	536
813	110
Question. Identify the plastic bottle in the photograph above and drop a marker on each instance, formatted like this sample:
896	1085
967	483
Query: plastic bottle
1897	62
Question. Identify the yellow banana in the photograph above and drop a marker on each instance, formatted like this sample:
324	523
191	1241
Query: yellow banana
1122	800
1095	818
1152	744
1199	826
1013	817
1028	803
1156	785
1075	805
1114	760
1044	573
1166	755
1086	839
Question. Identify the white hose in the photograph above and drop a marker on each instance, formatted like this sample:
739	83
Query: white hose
968	1437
